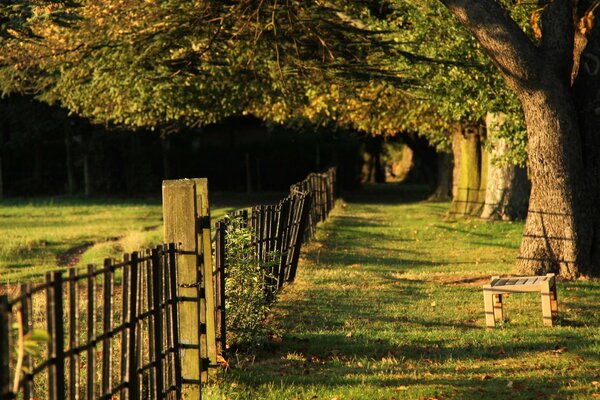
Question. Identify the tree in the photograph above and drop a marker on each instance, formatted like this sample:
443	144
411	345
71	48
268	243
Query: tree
555	78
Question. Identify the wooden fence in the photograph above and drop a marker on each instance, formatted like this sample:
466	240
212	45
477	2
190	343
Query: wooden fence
279	229
114	332
322	187
152	325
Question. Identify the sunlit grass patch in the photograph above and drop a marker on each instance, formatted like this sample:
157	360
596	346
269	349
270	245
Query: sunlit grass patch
388	304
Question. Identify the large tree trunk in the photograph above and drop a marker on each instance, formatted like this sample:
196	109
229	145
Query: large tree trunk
556	235
560	232
507	191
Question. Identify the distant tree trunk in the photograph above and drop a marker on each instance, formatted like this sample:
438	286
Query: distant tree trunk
87	179
1	177
425	160
69	163
507	194
372	170
258	180
38	165
133	164
443	189
472	173
248	174
166	148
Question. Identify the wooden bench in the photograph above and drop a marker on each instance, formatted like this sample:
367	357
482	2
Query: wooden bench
492	295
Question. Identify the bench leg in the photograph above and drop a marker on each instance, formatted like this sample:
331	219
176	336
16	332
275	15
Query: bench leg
546	304
488	301
498	312
553	301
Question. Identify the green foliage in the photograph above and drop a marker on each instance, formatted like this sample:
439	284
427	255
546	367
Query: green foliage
246	286
381	67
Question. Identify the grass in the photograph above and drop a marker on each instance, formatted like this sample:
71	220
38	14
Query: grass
388	305
42	234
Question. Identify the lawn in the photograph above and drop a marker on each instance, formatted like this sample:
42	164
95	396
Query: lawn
388	305
41	234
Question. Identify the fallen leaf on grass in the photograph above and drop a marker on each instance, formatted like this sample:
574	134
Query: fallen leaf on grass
275	338
486	377
558	349
222	361
349	334
595	383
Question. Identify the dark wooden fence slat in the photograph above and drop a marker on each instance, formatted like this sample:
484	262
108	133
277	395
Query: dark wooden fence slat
58	337
132	356
125	285
150	321
157	284
306	203
220	263
26	312
106	326
91	336
4	348
51	343
73	335
174	326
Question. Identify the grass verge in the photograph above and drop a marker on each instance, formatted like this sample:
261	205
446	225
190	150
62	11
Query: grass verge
388	305
42	234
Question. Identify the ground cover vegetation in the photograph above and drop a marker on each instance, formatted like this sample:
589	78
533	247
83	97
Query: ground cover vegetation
42	234
388	304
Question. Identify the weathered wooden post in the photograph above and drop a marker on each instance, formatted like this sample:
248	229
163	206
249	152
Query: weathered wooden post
207	302
180	227
187	223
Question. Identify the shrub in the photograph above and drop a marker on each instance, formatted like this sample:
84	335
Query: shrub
246	286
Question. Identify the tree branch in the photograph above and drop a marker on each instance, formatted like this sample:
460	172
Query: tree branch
557	37
517	58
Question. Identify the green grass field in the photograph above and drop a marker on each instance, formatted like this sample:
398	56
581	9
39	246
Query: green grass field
388	305
39	235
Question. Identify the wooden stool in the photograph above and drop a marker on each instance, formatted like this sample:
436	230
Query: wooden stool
492	295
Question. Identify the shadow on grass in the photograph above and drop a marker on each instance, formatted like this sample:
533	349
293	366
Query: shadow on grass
333	360
390	193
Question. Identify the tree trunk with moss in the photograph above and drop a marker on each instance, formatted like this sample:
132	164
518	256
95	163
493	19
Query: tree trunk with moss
507	192
470	172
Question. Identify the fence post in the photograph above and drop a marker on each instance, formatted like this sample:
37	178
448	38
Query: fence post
208	307
180	226
4	348
220	232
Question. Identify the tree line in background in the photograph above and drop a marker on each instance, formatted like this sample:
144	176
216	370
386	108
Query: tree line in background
518	78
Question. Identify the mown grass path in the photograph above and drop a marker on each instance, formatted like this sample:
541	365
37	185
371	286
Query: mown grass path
388	305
